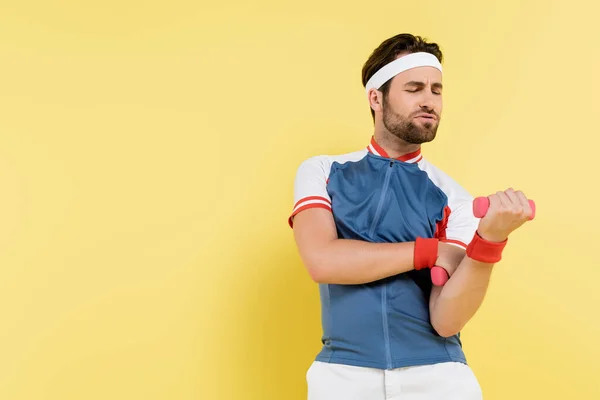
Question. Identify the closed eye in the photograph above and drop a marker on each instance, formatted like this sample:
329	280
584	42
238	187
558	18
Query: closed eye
415	86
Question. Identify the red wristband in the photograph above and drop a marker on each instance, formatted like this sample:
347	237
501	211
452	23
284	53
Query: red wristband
485	251
426	252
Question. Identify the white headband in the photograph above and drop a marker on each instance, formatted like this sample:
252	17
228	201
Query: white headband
402	64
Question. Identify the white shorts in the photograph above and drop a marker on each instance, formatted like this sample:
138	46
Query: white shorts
443	381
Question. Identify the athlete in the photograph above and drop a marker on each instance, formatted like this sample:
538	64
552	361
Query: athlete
369	226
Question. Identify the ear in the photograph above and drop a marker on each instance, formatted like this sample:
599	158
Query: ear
375	99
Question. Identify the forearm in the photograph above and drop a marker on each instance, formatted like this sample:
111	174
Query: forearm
454	304
347	261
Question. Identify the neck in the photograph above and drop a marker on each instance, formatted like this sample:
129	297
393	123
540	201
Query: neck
393	145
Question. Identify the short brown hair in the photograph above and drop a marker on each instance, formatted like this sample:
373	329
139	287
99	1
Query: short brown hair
389	50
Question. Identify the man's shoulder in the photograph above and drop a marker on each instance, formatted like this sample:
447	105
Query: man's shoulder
434	170
327	160
443	180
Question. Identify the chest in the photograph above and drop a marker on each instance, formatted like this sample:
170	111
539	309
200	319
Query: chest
385	201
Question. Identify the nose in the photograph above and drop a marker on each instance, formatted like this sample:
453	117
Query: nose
427	102
429	108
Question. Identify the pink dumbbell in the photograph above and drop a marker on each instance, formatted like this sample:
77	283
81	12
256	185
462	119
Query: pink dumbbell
439	276
481	205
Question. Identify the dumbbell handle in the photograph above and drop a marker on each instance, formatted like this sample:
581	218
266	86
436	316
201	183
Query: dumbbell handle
439	276
481	205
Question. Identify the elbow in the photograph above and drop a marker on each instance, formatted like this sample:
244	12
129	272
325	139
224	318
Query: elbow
322	268
317	273
314	273
445	329
316	270
446	332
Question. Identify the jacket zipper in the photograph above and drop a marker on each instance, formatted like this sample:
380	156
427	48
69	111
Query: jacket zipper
386	183
386	334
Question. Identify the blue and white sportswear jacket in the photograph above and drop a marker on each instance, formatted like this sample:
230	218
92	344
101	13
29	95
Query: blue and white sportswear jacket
375	198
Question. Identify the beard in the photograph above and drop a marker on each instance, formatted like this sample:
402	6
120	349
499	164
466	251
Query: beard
405	128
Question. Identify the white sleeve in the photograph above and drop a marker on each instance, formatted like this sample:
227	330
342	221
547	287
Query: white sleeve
462	224
459	224
310	186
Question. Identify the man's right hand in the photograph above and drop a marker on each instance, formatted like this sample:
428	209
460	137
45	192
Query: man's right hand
449	257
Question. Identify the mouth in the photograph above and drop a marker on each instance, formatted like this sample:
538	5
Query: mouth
429	117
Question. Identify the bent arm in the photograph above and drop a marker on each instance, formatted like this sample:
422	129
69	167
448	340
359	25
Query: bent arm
455	303
346	261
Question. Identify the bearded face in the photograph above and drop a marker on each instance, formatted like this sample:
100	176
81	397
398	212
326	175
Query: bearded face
415	126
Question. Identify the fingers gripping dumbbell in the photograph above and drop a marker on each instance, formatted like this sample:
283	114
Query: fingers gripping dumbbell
439	276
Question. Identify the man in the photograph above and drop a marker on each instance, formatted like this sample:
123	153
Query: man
370	225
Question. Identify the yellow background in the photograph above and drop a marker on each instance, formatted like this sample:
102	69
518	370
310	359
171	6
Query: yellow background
147	157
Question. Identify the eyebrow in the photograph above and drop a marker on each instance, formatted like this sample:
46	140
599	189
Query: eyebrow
437	85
